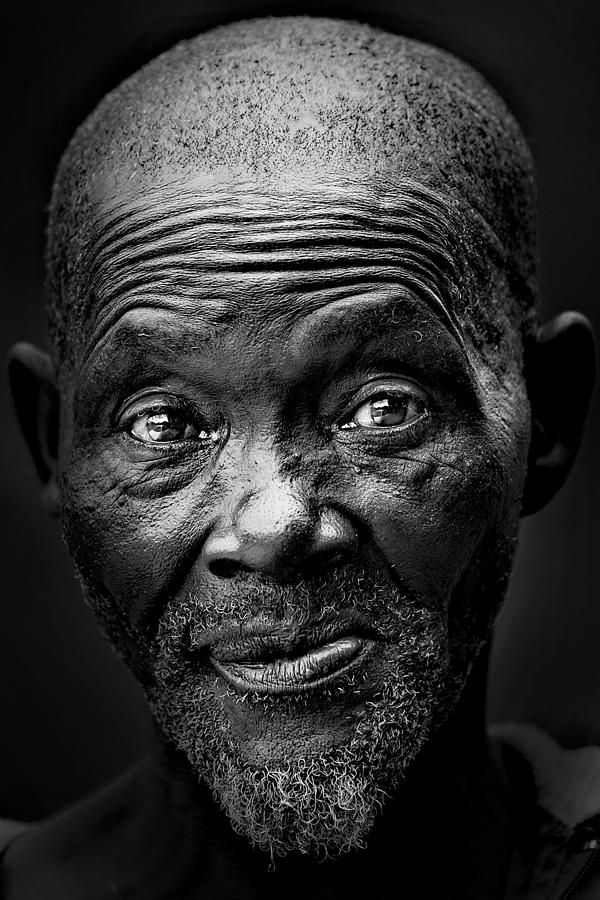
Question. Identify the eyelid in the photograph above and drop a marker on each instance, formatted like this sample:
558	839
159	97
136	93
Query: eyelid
151	400
382	384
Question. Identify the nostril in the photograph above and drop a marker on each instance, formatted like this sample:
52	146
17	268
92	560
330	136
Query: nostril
331	559
336	559
325	560
225	568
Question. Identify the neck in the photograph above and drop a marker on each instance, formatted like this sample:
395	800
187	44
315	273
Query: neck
450	810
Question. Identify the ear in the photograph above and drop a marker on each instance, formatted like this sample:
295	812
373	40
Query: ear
560	368
35	395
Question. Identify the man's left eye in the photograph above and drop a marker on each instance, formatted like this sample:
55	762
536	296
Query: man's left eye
387	410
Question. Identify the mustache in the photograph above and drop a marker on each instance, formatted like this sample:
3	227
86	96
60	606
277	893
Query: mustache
377	602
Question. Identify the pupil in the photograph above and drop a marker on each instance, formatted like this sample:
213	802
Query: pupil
159	424
384	412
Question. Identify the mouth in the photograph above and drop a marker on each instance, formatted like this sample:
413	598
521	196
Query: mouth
287	658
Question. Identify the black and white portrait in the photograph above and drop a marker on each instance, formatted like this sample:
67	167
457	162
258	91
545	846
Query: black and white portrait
299	481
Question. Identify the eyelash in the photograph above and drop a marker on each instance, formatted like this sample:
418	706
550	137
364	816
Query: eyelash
342	427
402	426
382	387
164	404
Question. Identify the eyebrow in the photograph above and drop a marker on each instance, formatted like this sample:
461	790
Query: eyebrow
154	345
395	310
370	307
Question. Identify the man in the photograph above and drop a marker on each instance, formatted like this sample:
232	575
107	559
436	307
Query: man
298	401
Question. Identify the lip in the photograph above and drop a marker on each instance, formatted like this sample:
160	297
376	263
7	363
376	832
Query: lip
286	658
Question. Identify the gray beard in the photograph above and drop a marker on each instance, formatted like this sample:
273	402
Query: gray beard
324	803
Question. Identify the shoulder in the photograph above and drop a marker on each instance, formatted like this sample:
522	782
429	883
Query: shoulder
66	855
98	848
9	830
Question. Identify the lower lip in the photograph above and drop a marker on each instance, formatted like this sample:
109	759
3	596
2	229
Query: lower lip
301	673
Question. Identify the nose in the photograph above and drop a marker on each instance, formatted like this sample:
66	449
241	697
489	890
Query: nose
280	533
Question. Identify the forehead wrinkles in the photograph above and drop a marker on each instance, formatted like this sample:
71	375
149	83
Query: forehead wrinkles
177	245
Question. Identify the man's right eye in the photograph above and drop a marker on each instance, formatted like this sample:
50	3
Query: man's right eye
163	427
166	423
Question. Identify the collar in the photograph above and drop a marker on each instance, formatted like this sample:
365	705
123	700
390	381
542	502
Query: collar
566	781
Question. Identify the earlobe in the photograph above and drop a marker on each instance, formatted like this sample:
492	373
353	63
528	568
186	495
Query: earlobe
35	396
560	369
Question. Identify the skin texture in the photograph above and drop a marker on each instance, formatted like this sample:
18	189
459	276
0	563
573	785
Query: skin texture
311	101
248	279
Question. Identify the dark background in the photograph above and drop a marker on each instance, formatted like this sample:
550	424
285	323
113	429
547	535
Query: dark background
70	715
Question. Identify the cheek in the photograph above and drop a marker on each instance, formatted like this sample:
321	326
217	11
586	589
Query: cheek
135	548
429	517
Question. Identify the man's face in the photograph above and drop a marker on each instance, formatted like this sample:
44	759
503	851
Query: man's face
291	488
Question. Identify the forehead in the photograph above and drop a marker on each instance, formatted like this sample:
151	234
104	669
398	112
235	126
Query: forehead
257	249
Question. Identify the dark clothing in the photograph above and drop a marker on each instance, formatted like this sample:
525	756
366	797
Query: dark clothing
556	807
556	803
557	864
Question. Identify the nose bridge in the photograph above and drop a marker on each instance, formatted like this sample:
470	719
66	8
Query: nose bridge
273	524
267	475
277	508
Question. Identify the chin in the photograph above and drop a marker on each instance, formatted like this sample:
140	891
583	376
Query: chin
307	774
322	805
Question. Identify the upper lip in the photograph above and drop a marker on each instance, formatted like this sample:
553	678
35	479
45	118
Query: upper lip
260	641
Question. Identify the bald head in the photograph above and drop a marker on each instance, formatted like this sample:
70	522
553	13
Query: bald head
300	105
